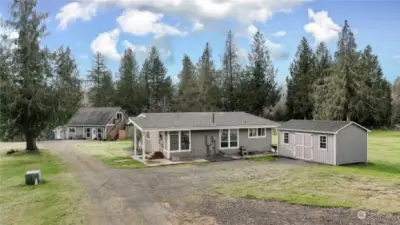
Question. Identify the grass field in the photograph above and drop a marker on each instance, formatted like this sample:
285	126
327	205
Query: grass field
58	200
111	153
375	186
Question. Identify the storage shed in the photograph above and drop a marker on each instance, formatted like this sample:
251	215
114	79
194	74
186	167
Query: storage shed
323	141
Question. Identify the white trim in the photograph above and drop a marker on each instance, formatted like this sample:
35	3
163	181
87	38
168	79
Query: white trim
72	128
179	142
305	131
283	141
354	124
229	139
257	136
335	150
85	133
326	142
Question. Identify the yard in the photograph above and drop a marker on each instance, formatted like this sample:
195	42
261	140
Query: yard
115	153
58	200
375	186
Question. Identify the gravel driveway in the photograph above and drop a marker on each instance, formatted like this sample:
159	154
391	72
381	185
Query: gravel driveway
176	195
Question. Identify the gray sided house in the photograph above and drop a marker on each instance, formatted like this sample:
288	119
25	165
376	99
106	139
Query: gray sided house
96	123
189	135
323	141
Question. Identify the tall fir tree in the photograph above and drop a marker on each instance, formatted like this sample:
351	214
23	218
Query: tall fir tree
128	93
231	69
322	71
102	91
262	92
396	102
209	95
187	87
32	102
300	83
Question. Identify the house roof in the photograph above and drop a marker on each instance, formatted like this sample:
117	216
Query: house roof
199	120
318	126
93	116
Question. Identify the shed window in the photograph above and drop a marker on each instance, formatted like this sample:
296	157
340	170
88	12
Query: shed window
286	138
323	142
257	132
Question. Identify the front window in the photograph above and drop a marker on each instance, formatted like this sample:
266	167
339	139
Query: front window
323	142
229	138
286	138
257	132
87	131
72	130
179	140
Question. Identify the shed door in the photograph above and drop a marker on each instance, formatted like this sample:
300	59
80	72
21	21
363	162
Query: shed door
298	145
307	149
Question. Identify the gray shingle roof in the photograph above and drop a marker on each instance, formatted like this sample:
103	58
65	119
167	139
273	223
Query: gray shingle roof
199	120
93	116
324	126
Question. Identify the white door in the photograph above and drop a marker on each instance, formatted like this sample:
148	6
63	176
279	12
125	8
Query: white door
298	145
307	149
303	146
94	133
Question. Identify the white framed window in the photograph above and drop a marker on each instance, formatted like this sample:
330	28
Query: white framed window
87	133
72	129
257	133
179	141
229	138
286	138
323	142
119	115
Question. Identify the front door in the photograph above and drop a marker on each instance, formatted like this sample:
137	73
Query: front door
94	133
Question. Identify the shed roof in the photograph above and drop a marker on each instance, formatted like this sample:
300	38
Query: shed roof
199	120
93	116
318	126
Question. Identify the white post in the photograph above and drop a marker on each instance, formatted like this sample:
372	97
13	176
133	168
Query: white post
144	146
134	141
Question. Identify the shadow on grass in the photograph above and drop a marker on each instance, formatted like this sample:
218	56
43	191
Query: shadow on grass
377	167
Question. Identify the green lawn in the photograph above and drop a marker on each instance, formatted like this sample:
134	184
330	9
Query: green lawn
112	153
58	200
375	186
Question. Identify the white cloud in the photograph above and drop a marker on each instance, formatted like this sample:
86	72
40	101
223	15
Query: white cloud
277	51
142	51
76	11
106	44
8	32
251	30
322	27
397	58
280	33
243	11
141	23
197	26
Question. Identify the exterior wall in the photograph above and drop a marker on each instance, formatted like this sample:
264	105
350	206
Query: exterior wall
199	147
318	155
79	132
352	145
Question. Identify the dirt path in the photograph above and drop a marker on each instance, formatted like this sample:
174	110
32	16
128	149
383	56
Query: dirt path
114	198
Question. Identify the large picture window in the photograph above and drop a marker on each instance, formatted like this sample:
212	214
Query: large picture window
229	138
257	132
179	140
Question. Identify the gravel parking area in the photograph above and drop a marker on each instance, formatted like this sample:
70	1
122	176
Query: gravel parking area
182	194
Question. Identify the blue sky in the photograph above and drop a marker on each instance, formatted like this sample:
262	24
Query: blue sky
184	26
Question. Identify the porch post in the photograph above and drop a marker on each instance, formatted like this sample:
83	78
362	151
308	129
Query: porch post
134	141
144	146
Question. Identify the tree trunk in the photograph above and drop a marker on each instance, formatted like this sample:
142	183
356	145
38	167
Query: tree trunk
30	142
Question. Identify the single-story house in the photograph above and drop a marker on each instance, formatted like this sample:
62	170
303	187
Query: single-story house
187	135
323	141
96	123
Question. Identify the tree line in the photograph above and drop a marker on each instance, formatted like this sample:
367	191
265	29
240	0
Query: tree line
41	89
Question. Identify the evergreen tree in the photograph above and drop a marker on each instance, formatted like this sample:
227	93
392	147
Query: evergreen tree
300	84
127	93
187	87
262	89
231	71
32	101
346	85
209	96
154	73
322	71
67	84
396	102
102	92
